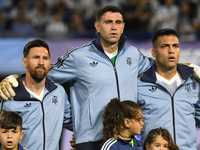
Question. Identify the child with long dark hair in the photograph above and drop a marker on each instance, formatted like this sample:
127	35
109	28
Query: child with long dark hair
122	121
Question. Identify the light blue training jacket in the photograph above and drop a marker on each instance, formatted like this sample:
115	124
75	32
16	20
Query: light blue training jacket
42	121
94	81
176	113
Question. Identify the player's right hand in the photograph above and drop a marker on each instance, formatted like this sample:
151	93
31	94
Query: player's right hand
6	87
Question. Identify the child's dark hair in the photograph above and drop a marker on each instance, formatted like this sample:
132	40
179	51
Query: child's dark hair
35	43
10	120
114	115
108	8
164	133
162	32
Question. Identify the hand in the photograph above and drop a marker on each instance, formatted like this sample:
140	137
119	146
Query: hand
72	143
196	72
6	87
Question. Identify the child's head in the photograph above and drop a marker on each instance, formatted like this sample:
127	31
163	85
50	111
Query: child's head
10	130
158	138
122	116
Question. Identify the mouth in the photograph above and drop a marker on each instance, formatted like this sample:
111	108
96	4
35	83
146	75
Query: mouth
171	58
40	68
113	34
9	143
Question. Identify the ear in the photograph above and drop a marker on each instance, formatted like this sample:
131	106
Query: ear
127	123
123	27
24	62
21	135
153	52
147	146
96	25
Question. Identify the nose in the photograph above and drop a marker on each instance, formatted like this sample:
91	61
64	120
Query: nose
113	25
171	50
9	134
41	61
142	122
162	148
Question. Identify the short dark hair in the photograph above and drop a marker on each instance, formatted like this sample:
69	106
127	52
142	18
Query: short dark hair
10	120
35	43
162	32
108	8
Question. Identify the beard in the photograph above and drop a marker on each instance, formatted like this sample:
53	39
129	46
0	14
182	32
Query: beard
38	76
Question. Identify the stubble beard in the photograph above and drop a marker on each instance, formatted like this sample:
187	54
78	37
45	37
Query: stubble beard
38	76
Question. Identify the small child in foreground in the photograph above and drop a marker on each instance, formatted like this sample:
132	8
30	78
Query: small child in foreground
122	121
159	138
10	131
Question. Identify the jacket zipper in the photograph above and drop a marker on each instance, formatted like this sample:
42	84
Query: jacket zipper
116	77
44	120
172	103
117	81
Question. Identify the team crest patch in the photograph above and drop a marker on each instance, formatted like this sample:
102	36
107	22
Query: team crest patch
188	88
129	61
54	100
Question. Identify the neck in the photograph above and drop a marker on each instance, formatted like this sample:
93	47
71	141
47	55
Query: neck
124	137
33	85
167	74
108	47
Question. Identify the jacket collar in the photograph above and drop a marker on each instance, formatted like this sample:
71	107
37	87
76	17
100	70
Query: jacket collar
21	92
136	143
150	75
98	45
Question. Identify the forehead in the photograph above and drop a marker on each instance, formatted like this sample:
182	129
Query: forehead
11	129
159	139
168	39
111	16
38	51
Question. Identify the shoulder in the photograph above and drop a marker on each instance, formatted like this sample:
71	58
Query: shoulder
108	144
132	51
131	47
59	87
80	48
21	148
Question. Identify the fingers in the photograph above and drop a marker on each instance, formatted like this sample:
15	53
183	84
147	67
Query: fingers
10	93
12	80
72	143
3	96
6	90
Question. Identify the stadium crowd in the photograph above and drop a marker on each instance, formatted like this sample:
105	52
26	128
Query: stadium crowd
74	18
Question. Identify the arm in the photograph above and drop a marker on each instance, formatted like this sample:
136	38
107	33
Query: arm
197	113
64	70
67	120
144	63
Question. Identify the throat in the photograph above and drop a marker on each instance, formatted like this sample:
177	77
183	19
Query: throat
124	137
